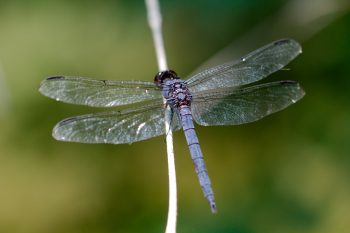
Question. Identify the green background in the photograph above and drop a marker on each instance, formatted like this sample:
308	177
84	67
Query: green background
286	173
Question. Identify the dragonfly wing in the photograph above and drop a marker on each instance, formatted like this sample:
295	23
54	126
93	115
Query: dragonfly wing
116	127
232	106
251	68
98	93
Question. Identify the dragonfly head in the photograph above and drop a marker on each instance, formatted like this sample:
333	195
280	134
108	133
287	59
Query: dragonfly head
164	75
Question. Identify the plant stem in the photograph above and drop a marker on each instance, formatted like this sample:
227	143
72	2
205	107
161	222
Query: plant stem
155	23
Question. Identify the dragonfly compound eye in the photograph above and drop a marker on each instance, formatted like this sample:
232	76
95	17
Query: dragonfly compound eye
163	75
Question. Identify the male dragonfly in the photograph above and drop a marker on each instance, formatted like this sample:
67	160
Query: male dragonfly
215	96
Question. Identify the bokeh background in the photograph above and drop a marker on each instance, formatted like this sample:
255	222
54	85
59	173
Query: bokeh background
289	172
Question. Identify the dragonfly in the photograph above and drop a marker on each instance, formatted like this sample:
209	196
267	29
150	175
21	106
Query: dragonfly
220	95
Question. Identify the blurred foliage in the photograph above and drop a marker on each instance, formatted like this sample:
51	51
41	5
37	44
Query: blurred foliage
286	173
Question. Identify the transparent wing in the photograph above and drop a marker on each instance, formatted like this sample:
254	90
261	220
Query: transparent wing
116	127
251	68
238	106
98	93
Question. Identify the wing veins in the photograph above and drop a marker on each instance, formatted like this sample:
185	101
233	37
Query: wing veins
233	106
251	68
98	93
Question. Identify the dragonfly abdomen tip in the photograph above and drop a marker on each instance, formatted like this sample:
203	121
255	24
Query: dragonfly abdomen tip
213	208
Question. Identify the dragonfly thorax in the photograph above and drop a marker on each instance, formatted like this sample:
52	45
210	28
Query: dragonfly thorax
173	88
176	93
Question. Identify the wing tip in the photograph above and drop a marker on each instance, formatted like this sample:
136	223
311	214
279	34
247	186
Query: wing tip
286	82
42	86
289	41
56	132
300	93
56	135
55	77
283	41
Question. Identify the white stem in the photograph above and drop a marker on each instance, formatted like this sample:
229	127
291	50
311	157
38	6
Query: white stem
155	23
